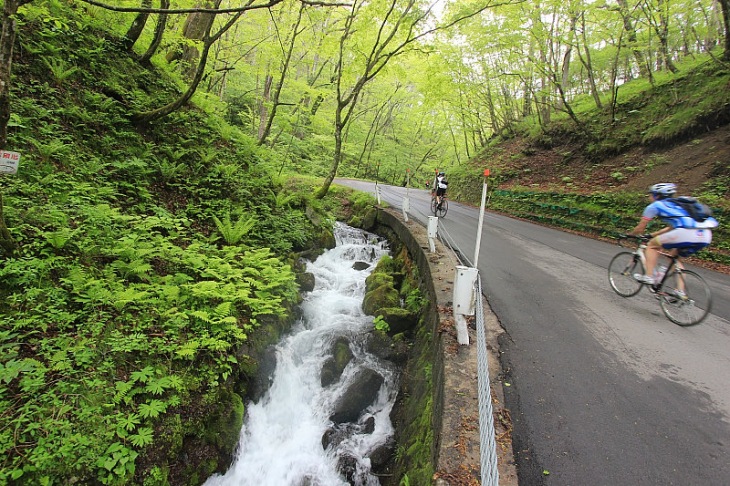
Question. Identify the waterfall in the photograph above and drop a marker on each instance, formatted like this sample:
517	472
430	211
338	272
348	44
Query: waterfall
282	440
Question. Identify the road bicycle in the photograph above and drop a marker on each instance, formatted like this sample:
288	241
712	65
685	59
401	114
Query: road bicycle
444	206
684	296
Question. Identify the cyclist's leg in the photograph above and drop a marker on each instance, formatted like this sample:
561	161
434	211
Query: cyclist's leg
653	247
684	242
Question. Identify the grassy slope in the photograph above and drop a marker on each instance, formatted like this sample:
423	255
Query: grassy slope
127	324
594	179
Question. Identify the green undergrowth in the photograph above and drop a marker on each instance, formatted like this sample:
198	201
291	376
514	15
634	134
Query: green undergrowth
150	265
604	215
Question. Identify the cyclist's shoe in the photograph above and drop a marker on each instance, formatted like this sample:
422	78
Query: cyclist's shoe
645	279
680	295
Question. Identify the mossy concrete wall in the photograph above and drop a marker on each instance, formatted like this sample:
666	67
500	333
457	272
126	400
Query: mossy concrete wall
440	410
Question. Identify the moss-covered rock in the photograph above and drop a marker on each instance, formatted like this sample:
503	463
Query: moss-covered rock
399	320
379	298
334	366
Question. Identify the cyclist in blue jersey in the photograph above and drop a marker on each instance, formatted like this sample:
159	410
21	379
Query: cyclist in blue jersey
683	236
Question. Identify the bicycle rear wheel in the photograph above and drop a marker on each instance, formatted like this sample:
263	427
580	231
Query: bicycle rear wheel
690	307
621	272
440	212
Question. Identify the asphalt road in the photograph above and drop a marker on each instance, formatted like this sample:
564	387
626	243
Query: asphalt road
602	390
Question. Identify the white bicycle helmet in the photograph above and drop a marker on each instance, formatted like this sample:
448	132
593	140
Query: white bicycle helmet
663	189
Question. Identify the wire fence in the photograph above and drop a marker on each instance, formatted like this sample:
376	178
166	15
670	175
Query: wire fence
487	442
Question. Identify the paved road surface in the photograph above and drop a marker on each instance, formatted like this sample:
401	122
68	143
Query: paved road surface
603	390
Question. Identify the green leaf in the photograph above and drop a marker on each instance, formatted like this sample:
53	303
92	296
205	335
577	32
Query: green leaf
142	438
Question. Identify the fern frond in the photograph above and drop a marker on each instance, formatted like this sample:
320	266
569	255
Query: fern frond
233	233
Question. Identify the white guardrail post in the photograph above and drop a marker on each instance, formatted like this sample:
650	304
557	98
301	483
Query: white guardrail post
464	300
433	223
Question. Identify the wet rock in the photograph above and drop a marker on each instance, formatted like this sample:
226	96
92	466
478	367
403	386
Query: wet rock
306	281
264	374
393	349
399	320
360	394
347	466
381	457
334	366
369	426
360	266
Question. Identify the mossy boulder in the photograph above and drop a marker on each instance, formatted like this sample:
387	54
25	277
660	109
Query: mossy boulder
334	366
395	349
399	320
379	298
378	279
306	281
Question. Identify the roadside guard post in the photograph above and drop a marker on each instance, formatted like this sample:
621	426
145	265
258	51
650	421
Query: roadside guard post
481	218
464	300
377	192
433	222
406	200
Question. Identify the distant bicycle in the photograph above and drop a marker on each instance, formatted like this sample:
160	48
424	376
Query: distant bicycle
444	206
684	296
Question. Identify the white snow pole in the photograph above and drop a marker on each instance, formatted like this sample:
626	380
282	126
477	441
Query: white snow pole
481	218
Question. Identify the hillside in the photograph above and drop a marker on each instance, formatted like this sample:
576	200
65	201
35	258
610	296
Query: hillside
593	178
692	165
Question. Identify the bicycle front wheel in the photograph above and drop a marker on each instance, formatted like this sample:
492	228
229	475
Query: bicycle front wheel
444	208
686	298
621	272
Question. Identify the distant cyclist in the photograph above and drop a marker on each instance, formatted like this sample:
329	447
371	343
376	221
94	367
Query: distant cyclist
440	185
683	233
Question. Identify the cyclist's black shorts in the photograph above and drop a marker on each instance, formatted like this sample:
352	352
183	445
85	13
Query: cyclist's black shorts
440	192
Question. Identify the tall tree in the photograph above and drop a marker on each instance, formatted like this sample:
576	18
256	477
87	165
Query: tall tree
294	32
7	42
137	26
390	28
208	40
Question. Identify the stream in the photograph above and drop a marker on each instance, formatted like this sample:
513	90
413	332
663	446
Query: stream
288	436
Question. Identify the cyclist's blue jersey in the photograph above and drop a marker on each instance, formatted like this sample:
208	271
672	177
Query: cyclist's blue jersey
672	214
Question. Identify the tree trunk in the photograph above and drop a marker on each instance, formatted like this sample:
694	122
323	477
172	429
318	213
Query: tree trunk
725	5
263	105
280	83
588	64
7	41
196	28
159	32
7	244
631	32
150	116
135	30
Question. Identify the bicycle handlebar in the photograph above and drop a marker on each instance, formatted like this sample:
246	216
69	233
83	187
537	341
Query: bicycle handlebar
621	237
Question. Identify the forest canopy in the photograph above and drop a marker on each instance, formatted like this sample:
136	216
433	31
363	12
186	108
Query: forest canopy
390	89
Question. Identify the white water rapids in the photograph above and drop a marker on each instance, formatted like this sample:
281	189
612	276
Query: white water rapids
281	442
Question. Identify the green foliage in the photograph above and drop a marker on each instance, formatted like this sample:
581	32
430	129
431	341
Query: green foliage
233	233
119	312
380	324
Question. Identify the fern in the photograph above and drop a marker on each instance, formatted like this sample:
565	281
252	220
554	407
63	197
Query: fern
58	239
233	233
60	70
